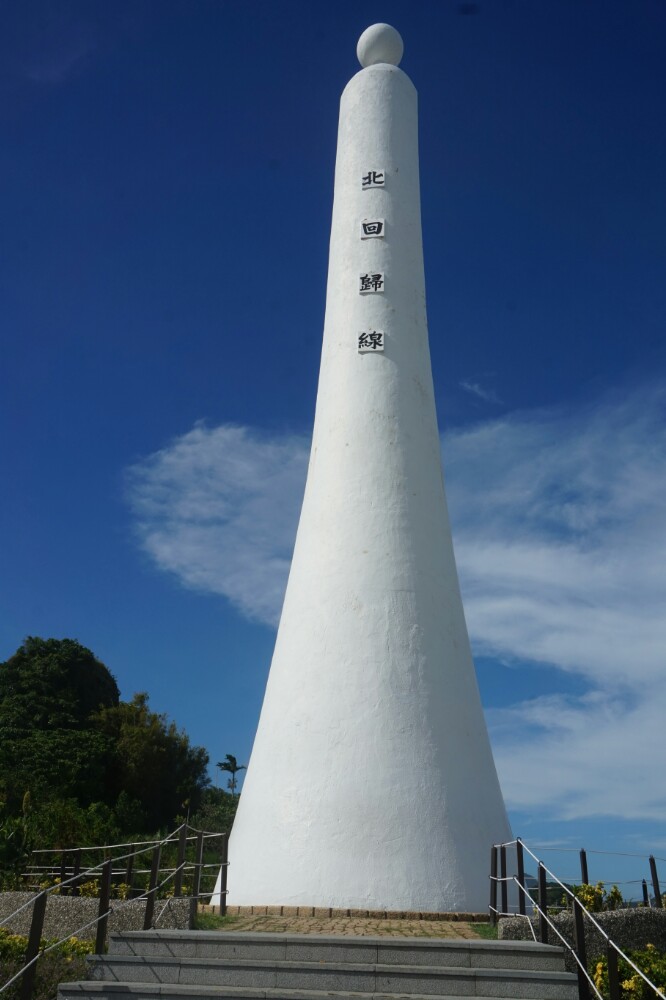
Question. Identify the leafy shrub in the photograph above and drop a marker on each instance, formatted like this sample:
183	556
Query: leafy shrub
90	889
66	962
632	987
595	898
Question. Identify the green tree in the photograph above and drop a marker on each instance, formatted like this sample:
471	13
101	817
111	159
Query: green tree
49	690
96	768
231	765
53	684
63	823
153	761
15	843
216	811
62	763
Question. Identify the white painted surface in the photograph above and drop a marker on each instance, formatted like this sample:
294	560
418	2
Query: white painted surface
371	781
380	43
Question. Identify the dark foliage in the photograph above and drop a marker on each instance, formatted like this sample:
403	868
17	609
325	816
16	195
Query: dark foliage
53	684
77	765
152	761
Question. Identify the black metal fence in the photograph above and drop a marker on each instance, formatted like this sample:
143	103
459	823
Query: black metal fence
179	865
538	897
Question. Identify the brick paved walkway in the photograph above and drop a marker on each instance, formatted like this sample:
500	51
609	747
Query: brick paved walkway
351	926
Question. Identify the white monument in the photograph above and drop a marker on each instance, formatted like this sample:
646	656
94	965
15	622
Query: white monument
371	782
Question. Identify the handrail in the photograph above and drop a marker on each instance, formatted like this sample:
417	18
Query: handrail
77	878
575	850
578	907
560	936
137	843
101	847
106	870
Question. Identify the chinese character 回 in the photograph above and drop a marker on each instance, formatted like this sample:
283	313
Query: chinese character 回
373	179
371	341
370	230
371	282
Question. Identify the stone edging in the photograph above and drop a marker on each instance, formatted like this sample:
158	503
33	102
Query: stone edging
330	911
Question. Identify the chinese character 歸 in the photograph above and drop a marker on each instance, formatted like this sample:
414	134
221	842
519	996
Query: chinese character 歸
371	340
372	229
373	179
371	282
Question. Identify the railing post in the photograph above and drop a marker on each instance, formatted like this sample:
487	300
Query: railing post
34	941
192	917
579	945
521	877
646	894
493	885
613	975
150	898
224	859
77	869
103	911
198	863
63	872
585	878
129	869
505	887
196	881
180	861
655	882
543	905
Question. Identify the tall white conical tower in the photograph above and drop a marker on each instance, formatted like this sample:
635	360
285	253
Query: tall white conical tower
371	782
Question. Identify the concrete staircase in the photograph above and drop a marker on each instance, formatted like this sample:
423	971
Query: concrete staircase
185	965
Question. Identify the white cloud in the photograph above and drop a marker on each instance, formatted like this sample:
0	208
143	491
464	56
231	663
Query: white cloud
476	389
597	755
218	507
560	534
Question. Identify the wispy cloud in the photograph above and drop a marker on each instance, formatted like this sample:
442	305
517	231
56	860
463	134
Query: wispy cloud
560	535
476	389
58	62
560	531
218	507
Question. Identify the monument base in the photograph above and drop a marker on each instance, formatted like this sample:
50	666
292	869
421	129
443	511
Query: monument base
332	911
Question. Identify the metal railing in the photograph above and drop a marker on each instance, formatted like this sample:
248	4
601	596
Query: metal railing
500	882
104	872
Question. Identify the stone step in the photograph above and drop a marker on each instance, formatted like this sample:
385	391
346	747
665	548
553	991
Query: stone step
458	952
339	977
164	991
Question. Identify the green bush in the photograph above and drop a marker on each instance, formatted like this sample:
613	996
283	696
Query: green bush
632	987
595	898
66	962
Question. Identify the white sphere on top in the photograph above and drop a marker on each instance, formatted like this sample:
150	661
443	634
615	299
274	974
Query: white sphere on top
380	43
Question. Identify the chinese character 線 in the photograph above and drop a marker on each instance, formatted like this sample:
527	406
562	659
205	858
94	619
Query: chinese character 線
373	179
371	282
371	340
372	229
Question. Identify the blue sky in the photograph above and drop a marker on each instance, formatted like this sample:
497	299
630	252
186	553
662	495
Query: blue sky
166	186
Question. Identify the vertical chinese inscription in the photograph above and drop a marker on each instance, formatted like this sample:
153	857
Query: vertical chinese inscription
372	229
373	179
370	340
371	282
